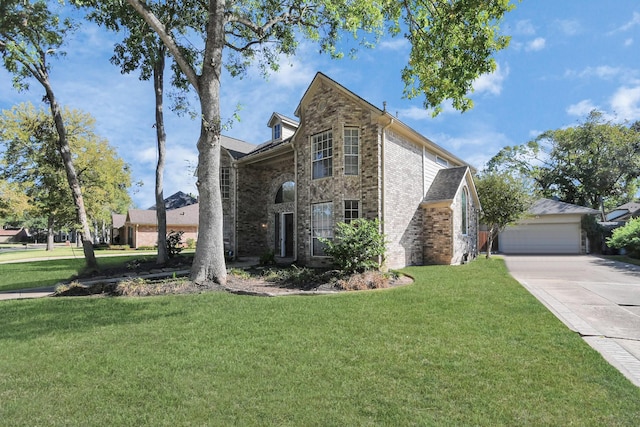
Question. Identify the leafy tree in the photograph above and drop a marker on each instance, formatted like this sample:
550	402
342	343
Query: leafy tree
504	200
30	34
358	246
627	237
33	162
13	201
452	45
596	163
141	49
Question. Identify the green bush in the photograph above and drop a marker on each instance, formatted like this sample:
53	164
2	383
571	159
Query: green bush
191	243
357	246
174	243
268	258
627	237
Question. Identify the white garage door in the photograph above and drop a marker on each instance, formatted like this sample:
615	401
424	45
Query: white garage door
541	239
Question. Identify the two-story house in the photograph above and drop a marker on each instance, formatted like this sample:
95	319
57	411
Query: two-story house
346	159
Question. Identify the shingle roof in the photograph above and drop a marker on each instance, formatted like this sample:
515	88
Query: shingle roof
446	183
178	200
554	207
187	215
236	147
118	220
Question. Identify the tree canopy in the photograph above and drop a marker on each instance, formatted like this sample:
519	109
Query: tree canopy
452	43
595	164
32	162
504	200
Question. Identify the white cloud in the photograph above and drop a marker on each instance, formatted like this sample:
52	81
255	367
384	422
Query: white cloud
568	26
524	27
628	42
394	44
635	20
626	103
536	44
582	108
491	83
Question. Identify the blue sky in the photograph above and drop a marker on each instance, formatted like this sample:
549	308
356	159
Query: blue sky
565	59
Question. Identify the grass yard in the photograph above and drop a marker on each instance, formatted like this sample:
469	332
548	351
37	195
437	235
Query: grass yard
34	274
464	345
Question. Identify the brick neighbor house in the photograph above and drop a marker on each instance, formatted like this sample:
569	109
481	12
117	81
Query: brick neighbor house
345	159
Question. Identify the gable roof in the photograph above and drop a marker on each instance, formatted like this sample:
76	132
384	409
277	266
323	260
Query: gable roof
177	200
284	119
554	207
236	147
187	215
446	184
383	117
118	220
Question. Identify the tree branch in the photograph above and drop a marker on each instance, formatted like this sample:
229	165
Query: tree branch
149	17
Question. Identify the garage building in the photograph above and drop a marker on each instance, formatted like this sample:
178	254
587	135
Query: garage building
551	227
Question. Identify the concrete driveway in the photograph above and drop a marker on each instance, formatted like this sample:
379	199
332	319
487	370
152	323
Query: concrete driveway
596	297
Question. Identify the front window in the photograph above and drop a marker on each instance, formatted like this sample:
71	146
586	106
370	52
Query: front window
351	150
442	162
321	226
322	160
277	131
286	193
225	182
351	210
465	211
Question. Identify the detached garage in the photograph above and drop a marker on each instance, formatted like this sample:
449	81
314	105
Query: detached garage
552	227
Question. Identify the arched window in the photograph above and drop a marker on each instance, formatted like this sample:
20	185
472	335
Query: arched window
286	192
465	211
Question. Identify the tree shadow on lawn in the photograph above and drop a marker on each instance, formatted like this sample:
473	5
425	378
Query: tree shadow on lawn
32	319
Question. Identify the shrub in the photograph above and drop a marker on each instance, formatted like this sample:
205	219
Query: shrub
268	258
357	245
240	273
174	243
191	243
627	237
364	281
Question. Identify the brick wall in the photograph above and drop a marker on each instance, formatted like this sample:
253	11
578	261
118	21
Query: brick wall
330	109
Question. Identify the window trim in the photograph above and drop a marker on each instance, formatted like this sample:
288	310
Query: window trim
225	183
351	155
316	140
277	131
350	209
328	227
442	161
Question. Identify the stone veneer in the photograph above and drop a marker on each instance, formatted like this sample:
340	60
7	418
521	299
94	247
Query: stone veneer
330	109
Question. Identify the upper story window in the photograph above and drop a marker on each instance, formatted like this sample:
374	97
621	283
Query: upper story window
286	193
442	161
225	182
351	150
277	131
465	211
322	155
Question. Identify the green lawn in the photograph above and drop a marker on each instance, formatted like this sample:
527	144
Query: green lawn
464	345
35	274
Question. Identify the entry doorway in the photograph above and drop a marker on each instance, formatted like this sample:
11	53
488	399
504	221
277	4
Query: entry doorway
284	234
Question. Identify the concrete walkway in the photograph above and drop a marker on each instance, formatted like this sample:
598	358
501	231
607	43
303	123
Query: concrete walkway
595	297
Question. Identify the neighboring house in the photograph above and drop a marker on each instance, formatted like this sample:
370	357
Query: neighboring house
624	213
13	236
117	228
141	225
347	159
550	227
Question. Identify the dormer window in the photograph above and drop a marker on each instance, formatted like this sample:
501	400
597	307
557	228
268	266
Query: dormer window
277	131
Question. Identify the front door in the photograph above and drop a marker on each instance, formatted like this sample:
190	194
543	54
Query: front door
284	234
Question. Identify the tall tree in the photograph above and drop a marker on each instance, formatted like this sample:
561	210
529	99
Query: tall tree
32	161
596	163
452	45
141	49
504	200
30	34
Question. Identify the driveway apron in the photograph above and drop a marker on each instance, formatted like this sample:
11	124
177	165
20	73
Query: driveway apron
596	297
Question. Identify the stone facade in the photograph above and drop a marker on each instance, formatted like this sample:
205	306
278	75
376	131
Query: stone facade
396	168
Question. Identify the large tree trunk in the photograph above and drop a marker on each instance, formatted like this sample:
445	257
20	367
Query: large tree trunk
208	263
72	178
161	213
